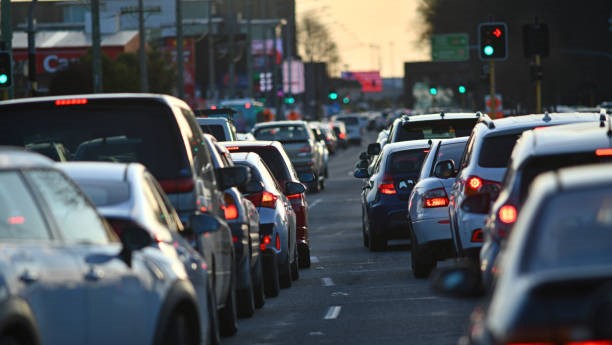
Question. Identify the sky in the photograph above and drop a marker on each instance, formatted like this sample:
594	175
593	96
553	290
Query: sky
371	35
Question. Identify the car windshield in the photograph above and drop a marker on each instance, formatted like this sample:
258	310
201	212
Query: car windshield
216	131
574	231
407	162
438	129
281	133
271	157
105	193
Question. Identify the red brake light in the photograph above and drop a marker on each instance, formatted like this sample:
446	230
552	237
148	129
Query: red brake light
263	199
387	189
590	342
180	185
294	196
233	148
75	101
16	220
435	198
264	242
603	152
247	105
230	209
475	184
477	236
342	136
305	148
278	242
507	214
234	239
213	107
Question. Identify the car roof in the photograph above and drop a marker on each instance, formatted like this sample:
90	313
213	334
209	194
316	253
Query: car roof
408	145
569	138
280	123
97	96
16	157
439	116
212	120
531	120
453	140
258	143
108	171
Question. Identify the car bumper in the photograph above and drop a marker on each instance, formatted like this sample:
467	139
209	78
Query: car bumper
468	224
432	229
389	220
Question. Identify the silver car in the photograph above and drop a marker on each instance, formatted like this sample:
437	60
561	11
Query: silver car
64	274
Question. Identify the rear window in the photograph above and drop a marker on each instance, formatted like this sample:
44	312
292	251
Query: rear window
106	193
349	120
101	130
216	131
272	158
496	150
435	129
406	162
282	133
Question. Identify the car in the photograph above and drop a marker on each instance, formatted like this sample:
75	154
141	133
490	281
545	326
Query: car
538	151
273	154
159	131
387	187
277	220
482	168
221	128
329	137
430	238
340	131
243	219
64	272
355	127
432	126
555	271
302	147
322	147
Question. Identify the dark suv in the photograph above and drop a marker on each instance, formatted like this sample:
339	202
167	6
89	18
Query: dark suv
158	131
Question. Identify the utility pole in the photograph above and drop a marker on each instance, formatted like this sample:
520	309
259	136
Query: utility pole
249	55
142	53
180	80
290	28
95	46
492	88
32	50
232	49
7	38
211	56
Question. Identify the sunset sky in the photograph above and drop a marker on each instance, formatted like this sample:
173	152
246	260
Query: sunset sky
371	35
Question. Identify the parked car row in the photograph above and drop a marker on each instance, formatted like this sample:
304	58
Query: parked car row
142	220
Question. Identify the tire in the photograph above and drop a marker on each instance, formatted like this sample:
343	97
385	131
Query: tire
284	274
270	273
304	255
180	330
246	297
421	260
10	340
295	272
377	243
314	186
228	318
364	226
213	319
322	184
258	285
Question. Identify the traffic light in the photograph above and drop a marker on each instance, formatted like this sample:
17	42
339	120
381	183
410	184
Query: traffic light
6	69
493	41
462	89
289	100
332	95
346	100
535	40
433	90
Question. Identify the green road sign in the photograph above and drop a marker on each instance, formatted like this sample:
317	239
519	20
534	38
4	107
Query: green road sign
450	47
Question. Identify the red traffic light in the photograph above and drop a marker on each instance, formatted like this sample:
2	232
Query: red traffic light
497	32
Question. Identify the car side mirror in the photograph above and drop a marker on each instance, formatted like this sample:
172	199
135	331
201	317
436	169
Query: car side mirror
133	238
203	223
362	164
236	176
478	203
292	188
373	149
445	169
253	187
361	173
364	156
306	177
462	279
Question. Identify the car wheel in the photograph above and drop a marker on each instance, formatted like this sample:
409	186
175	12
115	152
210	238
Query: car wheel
322	184
377	243
258	285
295	272
9	340
284	273
213	319
364	230
246	297
304	255
421	260
270	271
180	329
228	316
314	186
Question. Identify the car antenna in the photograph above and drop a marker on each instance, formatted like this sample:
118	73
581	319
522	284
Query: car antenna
546	117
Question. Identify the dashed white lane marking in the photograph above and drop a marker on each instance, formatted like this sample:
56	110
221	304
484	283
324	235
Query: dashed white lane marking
327	281
314	260
314	203
333	312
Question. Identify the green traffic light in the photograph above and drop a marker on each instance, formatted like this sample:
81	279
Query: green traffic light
289	100
3	78
488	50
461	89
433	91
333	96
346	100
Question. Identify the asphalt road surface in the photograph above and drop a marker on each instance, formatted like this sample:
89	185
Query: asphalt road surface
350	295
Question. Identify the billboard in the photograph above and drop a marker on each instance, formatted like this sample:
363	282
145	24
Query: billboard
370	80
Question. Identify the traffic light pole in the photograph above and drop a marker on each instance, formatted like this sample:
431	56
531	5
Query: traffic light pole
492	88
538	62
7	38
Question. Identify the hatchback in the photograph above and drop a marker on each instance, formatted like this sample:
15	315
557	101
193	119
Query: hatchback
387	187
64	272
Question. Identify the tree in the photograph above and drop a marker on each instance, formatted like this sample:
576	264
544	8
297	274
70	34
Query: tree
316	43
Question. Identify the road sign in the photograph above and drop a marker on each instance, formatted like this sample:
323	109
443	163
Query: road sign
494	109
450	47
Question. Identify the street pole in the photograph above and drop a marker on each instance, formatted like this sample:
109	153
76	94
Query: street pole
211	56
7	39
249	55
32	50
95	46
266	68
232	50
538	62
290	46
142	53
492	87
180	78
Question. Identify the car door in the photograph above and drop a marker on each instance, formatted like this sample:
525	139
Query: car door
115	291
44	271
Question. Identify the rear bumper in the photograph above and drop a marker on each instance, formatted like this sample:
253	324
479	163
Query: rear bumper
389	220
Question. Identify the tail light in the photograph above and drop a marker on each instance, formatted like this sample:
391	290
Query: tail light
294	196
263	199
74	101
477	236
234	239
264	242
342	135
435	198
233	148
305	149
180	185
603	152
475	184
507	214
277	243
230	209
575	342
387	186
118	224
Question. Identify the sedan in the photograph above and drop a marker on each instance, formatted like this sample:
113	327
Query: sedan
64	272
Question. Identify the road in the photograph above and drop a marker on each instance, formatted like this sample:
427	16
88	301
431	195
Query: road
351	295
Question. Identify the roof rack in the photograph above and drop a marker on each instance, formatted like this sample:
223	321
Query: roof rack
546	117
484	118
602	118
442	114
